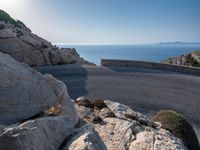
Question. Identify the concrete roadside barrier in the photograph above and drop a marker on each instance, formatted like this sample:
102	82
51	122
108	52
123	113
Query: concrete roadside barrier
150	65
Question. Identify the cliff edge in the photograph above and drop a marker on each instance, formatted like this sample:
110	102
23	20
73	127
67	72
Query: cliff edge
20	43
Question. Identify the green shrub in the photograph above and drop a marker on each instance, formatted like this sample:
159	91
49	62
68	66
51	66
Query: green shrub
6	18
178	126
190	60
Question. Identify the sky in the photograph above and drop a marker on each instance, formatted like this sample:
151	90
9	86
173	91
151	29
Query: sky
109	21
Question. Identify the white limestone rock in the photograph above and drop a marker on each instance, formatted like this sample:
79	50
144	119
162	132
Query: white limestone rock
24	92
7	33
156	140
127	129
45	133
85	138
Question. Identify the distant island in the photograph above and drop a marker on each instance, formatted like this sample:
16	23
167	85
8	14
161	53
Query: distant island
179	42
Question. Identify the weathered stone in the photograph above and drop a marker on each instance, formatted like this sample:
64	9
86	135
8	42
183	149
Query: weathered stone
34	58
122	128
46	133
115	132
93	118
85	138
123	111
83	111
7	33
2	25
25	92
83	101
106	113
67	57
156	140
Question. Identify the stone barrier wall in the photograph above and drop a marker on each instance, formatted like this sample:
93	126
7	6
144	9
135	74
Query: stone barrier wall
150	65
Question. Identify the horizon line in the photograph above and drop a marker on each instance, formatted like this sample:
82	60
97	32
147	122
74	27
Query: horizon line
63	43
174	42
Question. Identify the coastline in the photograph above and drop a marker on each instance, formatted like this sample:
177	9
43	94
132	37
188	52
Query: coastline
144	52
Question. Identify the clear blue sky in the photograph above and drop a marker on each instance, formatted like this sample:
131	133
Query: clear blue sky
109	21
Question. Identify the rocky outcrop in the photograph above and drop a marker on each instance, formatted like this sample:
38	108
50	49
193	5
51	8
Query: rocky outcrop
19	42
35	110
190	59
85	138
25	92
122	128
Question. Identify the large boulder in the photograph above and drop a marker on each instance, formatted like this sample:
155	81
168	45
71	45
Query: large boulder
19	42
35	110
85	138
25	92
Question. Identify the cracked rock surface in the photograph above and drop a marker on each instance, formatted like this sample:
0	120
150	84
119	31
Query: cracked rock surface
126	129
36	112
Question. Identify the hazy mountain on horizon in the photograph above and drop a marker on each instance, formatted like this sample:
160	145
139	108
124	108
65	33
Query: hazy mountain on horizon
179	42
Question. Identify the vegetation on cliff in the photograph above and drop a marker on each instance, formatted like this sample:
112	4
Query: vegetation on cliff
6	18
190	59
179	126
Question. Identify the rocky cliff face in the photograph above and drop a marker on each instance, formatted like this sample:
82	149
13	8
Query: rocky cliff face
37	113
19	42
190	59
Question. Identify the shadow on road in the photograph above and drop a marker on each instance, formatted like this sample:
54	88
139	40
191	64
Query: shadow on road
73	76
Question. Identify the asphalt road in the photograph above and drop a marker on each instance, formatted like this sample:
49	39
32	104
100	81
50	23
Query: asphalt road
144	90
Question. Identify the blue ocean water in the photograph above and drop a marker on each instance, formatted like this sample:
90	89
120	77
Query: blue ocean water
151	52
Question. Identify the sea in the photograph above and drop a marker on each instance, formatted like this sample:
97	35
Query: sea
146	52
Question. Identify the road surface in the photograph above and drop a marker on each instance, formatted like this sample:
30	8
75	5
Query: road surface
144	90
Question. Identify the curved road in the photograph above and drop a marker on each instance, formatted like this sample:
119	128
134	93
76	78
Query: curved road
144	90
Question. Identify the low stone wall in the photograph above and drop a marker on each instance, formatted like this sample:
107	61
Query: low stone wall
150	65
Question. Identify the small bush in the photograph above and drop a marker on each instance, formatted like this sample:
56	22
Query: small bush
190	60
178	126
6	18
